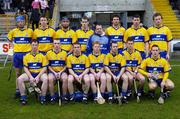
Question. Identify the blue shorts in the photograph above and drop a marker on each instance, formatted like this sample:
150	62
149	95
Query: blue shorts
34	74
18	59
158	81
120	51
163	54
143	54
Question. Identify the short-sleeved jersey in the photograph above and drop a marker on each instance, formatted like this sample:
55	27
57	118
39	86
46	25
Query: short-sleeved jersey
160	36
157	67
21	39
35	63
116	35
132	60
96	62
78	64
82	38
115	63
45	38
57	61
66	38
140	37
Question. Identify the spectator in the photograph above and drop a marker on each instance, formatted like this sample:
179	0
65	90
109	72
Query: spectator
44	6
35	14
51	7
7	4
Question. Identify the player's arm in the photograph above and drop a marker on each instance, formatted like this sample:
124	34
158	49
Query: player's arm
121	72
147	48
108	70
50	68
92	71
84	72
26	70
44	69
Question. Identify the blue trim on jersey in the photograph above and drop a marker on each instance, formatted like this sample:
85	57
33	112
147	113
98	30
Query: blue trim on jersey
45	39
131	63
55	63
22	40
96	65
158	37
152	69
34	65
65	41
138	38
116	38
82	40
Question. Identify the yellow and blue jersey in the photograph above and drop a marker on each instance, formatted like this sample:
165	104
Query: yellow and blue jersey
114	62
21	39
57	61
116	35
96	62
160	36
82	37
133	60
45	38
35	63
157	67
66	38
140	37
78	64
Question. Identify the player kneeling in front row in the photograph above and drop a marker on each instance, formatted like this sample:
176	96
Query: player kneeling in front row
35	66
133	60
97	74
78	66
157	70
57	70
115	68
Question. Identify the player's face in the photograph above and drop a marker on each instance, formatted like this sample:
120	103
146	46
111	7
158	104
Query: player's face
84	23
130	44
34	46
136	21
155	51
114	47
158	20
43	21
115	21
96	48
99	29
65	24
21	24
77	49
56	44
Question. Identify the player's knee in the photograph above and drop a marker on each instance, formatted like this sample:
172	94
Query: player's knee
152	86
170	86
70	79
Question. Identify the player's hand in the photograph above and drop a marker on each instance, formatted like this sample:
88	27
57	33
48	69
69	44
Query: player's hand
149	75
167	57
163	84
37	79
98	76
32	80
115	79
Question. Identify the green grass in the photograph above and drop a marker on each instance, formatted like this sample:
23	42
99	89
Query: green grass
147	109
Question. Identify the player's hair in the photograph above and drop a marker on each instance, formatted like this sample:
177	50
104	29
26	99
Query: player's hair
85	17
97	24
34	41
113	42
95	42
130	39
157	14
115	16
43	16
76	43
154	46
135	16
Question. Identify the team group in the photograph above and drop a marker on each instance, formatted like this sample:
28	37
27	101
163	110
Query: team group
83	57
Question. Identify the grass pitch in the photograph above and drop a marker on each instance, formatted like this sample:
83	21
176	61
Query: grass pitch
147	109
